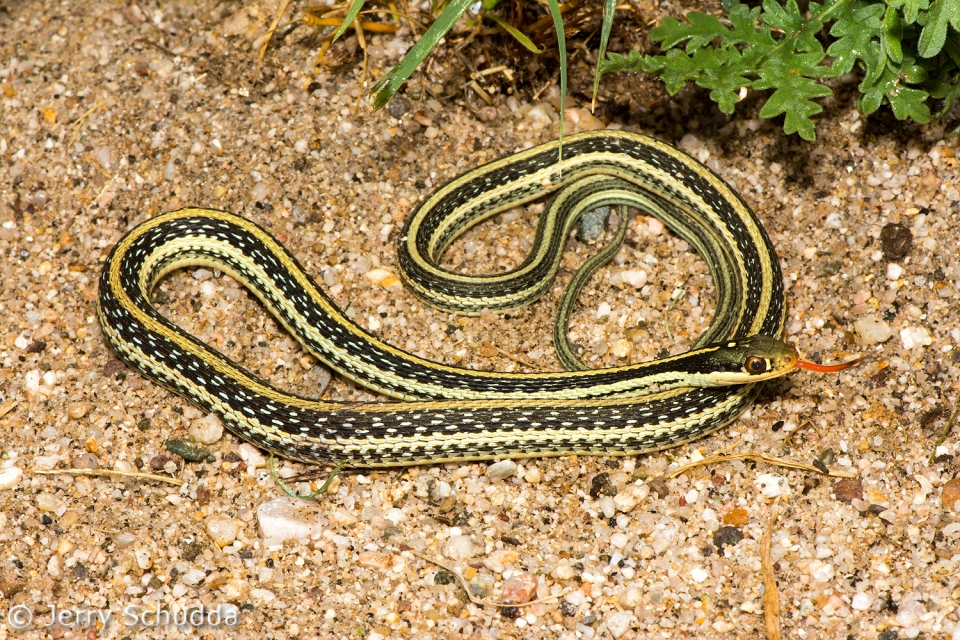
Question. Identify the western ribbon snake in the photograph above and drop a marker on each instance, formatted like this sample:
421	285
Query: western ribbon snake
448	413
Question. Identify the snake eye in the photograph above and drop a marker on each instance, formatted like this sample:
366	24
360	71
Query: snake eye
754	365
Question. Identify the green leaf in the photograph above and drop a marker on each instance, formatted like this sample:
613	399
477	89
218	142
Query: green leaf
786	18
394	79
892	33
911	8
516	33
934	34
352	14
633	61
609	9
678	68
790	74
702	30
725	79
906	102
858	38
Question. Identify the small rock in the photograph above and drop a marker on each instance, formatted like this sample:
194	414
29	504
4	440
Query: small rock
487	114
47	502
9	478
698	574
861	602
501	470
113	367
520	588
631	597
374	560
771	485
55	566
192	577
262	595
848	489
222	529
618	623
912	337
821	571
461	548
894	271
635	279
737	517
564	572
37	346
910	611
78	410
382	277
726	535
187	449
603	311
659	486
499	559
608	507
286	517
252	456
951	495
621	348
532	475
592	223
896	241
206	430
872	330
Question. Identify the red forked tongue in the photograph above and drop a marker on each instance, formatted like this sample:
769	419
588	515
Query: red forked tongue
827	368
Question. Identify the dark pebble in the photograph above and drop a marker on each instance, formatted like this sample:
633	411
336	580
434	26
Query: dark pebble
726	535
848	489
895	241
80	572
444	577
113	367
592	223
36	346
597	484
659	486
188	449
398	106
511	613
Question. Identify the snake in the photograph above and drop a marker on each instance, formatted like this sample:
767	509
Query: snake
444	413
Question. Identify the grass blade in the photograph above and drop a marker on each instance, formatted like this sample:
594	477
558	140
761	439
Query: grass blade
609	8
562	47
394	79
516	33
351	16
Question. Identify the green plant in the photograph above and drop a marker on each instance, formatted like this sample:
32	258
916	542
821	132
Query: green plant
907	50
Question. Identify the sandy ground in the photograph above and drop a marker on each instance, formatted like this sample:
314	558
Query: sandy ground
114	113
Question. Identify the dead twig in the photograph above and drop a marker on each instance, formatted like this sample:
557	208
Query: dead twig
771	597
759	457
269	35
106	473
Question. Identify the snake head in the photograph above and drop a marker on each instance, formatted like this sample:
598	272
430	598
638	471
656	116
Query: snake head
757	358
